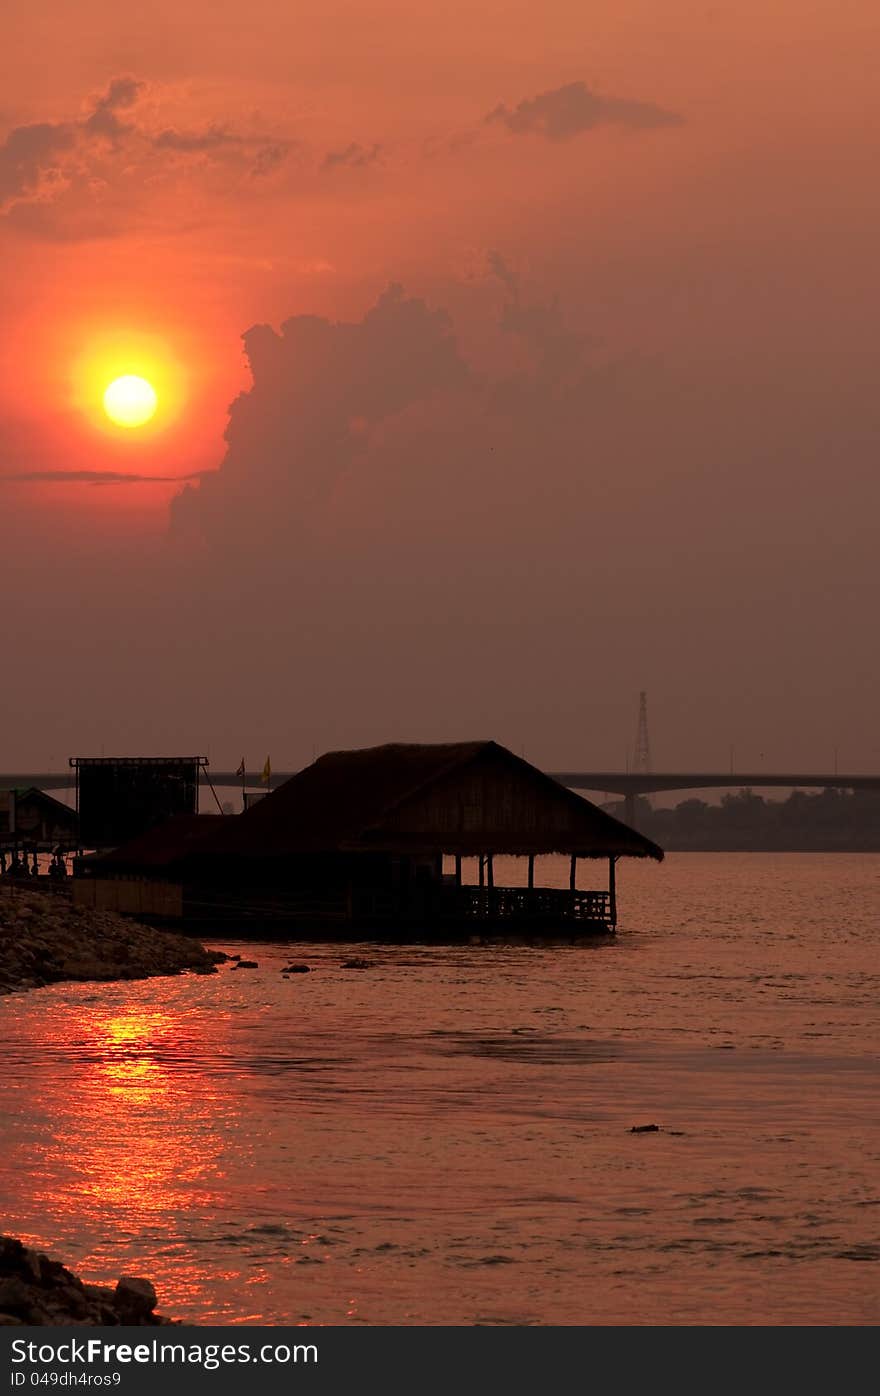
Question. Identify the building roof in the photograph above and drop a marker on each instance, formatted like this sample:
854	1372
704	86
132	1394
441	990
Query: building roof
403	797
40	819
33	795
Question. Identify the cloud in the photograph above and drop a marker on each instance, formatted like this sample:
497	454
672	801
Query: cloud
40	161
269	157
262	157
354	156
97	477
97	176
320	391
30	155
210	139
565	112
121	95
499	269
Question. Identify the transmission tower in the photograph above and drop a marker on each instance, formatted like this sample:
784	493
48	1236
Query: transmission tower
642	753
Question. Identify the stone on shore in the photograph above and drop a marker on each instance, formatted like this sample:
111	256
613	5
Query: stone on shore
44	940
36	1290
135	1297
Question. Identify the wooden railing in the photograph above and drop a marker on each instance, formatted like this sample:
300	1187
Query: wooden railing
538	906
524	904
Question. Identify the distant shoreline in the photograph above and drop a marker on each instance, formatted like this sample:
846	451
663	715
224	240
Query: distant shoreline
766	848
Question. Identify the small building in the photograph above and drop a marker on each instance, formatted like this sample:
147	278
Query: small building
380	840
34	820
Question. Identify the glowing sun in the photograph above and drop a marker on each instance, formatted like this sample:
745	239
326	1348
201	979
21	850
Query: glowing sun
130	401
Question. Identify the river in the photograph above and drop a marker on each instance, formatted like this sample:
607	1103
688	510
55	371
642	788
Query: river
445	1137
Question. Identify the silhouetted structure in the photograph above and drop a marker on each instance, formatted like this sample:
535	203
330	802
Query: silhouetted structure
357	840
642	749
118	798
31	818
641	756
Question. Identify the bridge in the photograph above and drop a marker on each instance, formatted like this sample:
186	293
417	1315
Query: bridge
629	784
632	784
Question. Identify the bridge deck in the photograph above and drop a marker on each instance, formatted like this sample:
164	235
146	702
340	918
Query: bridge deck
612	782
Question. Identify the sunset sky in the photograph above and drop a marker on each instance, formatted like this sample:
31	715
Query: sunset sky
559	372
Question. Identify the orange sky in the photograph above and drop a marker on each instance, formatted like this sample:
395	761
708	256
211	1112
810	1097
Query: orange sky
706	201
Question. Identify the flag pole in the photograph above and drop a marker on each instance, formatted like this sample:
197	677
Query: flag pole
243	773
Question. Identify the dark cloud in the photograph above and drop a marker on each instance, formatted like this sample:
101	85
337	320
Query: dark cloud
261	156
32	158
354	156
499	268
542	326
210	139
565	112
121	95
82	179
31	154
97	477
269	157
320	390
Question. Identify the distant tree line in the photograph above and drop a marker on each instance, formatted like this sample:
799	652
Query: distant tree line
830	821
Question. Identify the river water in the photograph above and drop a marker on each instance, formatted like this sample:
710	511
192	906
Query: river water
444	1137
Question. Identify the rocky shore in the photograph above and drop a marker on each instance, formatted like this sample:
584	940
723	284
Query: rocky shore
37	1290
44	940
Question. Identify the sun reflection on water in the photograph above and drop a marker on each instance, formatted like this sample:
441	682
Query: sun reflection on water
137	1090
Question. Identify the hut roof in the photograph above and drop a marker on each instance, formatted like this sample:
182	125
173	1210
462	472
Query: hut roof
32	794
400	797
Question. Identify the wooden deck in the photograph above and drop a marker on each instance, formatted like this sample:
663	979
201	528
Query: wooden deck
429	909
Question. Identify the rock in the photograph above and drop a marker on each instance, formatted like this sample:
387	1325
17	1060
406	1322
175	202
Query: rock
37	1290
357	964
99	1294
645	1129
15	1296
297	969
246	964
17	1259
134	1296
45	940
73	1300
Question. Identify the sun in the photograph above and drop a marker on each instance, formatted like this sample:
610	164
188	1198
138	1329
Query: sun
130	401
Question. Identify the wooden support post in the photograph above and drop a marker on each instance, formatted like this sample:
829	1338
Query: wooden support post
572	877
531	872
490	872
481	863
612	888
458	869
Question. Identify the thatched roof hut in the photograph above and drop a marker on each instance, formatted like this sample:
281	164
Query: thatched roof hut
359	838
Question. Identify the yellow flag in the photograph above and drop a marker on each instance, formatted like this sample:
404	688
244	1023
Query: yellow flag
267	771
